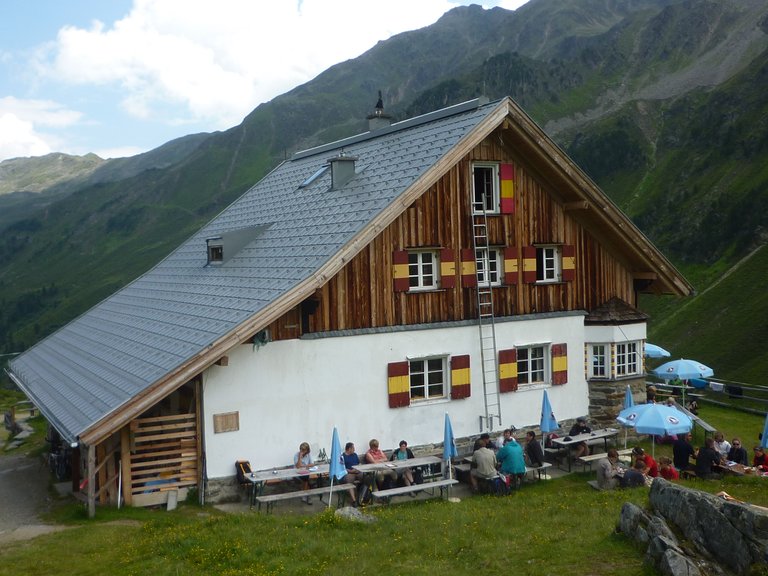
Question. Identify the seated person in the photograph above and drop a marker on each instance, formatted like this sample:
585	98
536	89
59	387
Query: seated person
533	450
693	407
303	460
484	440
580	427
512	461
650	395
353	476
652	469
609	471
635	476
722	445
483	465
738	453
683	451
384	478
760	457
404	474
667	470
501	440
708	460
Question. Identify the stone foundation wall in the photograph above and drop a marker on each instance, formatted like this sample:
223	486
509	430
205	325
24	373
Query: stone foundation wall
606	400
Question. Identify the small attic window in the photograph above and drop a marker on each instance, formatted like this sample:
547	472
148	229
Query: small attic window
322	170
215	250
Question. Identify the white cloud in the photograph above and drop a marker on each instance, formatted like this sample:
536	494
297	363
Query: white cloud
215	62
22	125
19	139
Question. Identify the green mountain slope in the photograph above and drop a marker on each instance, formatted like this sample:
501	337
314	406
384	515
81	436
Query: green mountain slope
661	101
725	325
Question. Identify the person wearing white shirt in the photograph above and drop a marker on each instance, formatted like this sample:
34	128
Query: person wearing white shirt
722	445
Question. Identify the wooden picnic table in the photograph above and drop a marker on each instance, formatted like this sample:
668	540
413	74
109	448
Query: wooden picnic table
600	434
259	478
442	484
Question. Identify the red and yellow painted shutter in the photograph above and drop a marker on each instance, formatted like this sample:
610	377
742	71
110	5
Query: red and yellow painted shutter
568	253
468	268
398	384
447	268
507	173
559	364
508	370
400	271
510	265
460	387
529	264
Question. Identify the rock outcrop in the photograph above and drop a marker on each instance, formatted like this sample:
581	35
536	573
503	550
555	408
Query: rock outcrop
689	532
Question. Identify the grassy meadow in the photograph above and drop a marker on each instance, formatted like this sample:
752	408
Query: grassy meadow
561	527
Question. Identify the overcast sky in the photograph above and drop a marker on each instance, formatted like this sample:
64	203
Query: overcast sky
119	77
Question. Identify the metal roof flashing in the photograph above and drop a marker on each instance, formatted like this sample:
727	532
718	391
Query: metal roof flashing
396	127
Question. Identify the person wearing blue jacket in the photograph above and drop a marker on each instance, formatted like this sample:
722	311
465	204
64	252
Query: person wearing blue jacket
512	461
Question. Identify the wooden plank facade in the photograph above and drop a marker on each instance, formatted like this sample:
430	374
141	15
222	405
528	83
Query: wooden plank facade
362	295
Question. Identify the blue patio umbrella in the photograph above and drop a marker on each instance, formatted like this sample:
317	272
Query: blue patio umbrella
654	351
336	470
656	420
449	444
764	438
683	369
548	420
629	402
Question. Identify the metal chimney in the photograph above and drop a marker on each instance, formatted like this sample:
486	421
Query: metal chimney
342	170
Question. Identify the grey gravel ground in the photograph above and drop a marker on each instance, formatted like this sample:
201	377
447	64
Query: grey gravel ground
24	497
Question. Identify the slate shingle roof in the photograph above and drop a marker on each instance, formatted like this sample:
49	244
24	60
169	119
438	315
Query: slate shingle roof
98	362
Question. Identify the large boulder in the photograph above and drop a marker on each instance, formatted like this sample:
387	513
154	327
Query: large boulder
733	533
692	533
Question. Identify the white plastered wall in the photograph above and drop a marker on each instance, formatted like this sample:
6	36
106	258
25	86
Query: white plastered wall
291	391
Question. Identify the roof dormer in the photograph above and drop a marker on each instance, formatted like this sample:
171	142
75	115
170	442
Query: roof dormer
221	249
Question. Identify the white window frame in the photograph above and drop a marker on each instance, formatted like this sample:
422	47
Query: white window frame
600	360
492	202
423	275
539	373
549	264
492	261
628	360
421	371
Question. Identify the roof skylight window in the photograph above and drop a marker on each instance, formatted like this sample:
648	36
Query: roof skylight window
322	170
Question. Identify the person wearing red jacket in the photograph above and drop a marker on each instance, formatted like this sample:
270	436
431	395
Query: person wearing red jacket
760	458
667	470
639	454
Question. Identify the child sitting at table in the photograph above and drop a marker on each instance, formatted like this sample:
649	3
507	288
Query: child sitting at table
667	470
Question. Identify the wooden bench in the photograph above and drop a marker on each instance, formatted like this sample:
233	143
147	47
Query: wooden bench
587	460
538	469
341	490
465	467
399	491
